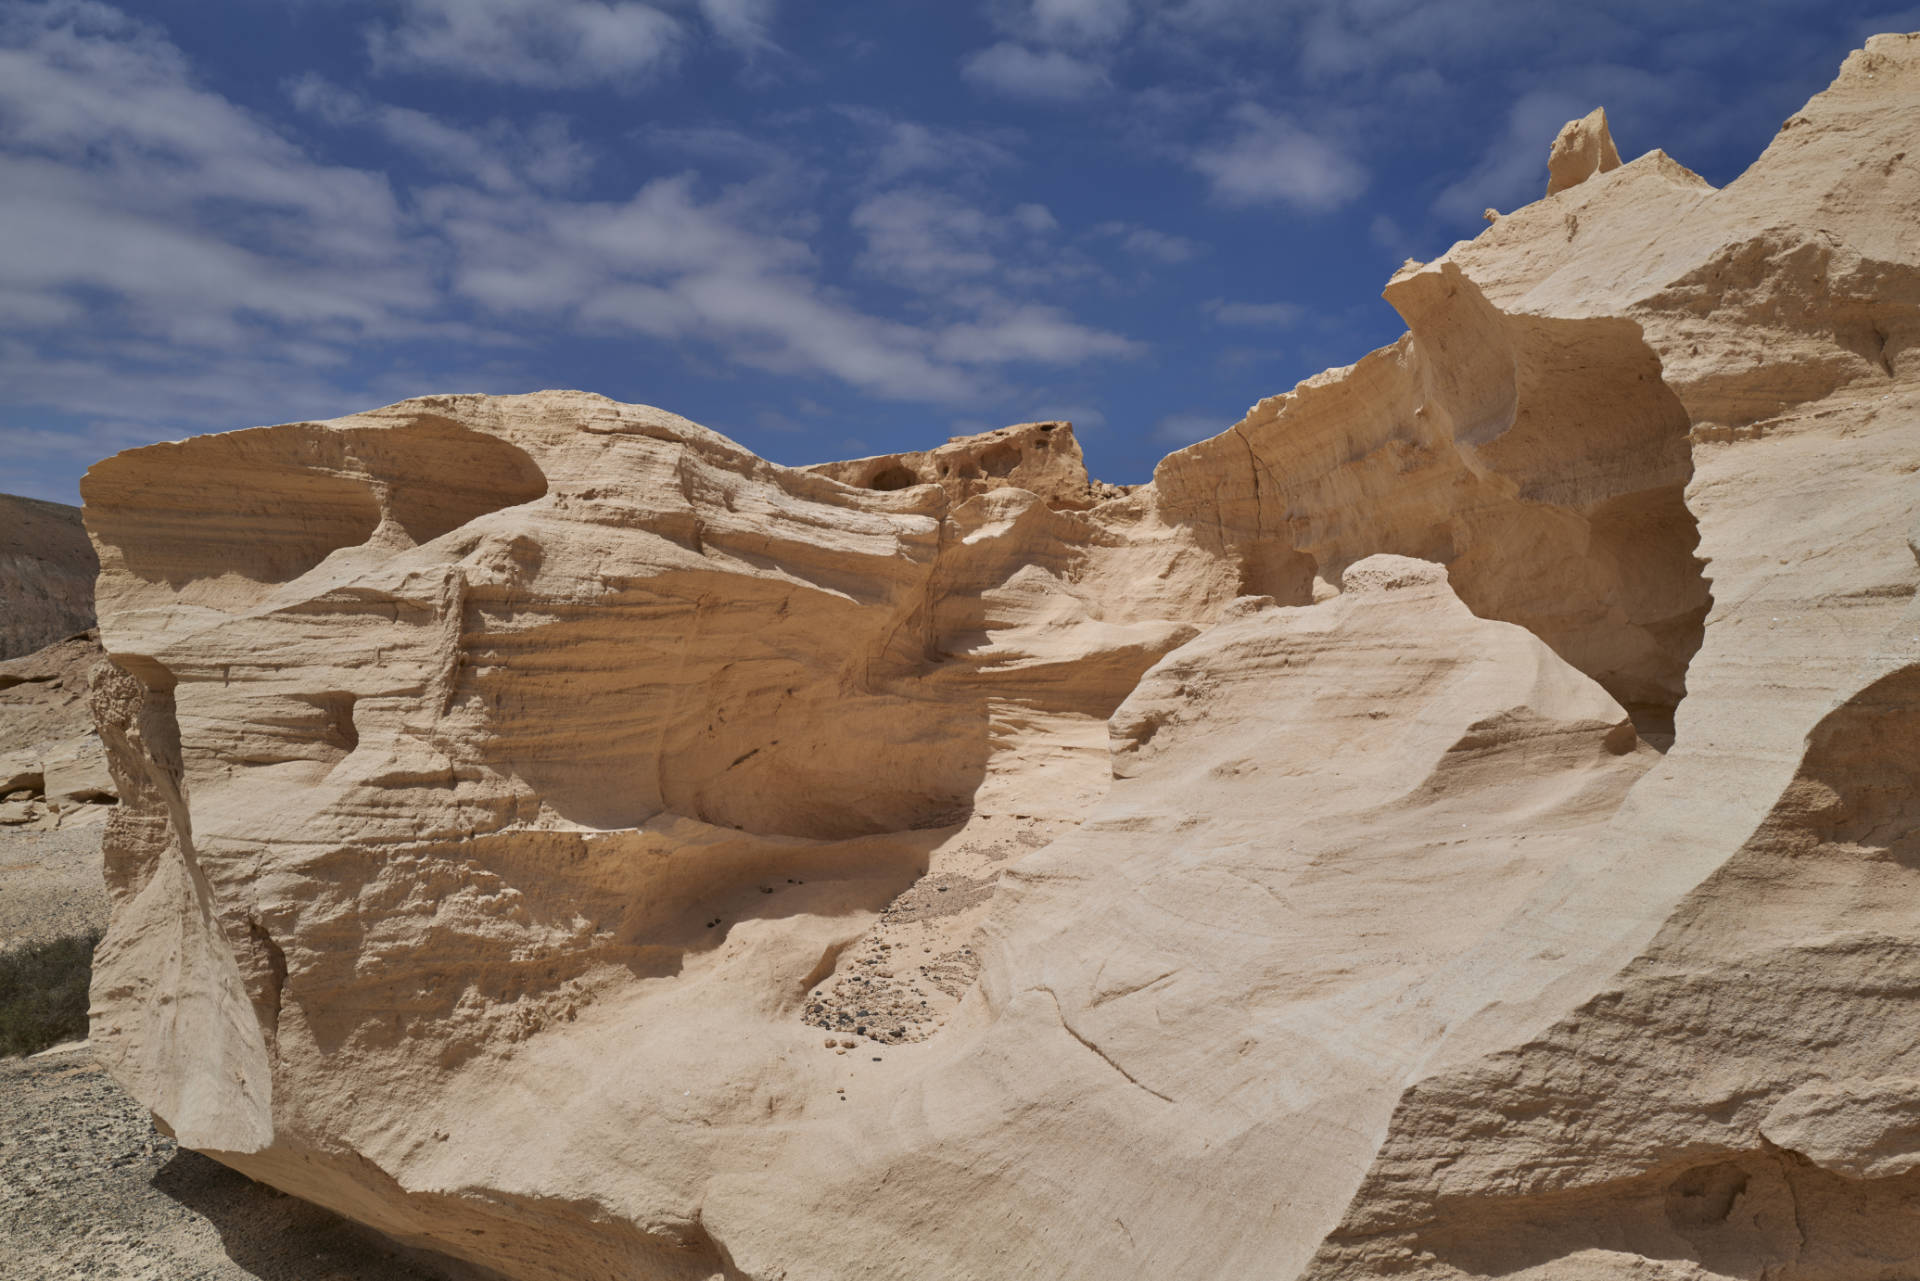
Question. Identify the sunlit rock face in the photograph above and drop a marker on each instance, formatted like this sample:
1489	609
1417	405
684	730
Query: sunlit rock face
1459	822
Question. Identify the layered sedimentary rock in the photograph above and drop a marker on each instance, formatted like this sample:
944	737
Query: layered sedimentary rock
46	575
53	769
52	766
1041	458
1456	823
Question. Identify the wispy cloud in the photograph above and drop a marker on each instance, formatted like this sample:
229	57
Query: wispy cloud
745	24
924	237
551	44
114	164
1032	333
1146	242
1512	169
112	160
503	157
1044	75
1274	315
904	148
958	252
1270	159
1073	21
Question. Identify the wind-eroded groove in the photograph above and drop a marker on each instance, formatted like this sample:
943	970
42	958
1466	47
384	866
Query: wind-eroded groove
1103	1055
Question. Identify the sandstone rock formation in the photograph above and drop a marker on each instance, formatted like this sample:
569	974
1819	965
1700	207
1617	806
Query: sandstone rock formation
1041	458
1456	823
1583	148
46	575
53	769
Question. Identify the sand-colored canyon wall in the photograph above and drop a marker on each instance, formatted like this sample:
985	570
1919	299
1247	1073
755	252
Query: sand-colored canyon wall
1456	823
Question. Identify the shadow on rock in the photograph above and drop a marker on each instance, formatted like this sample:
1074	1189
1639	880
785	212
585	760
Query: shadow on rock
277	1237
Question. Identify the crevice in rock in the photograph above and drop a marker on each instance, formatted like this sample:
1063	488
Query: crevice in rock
1099	1053
267	1000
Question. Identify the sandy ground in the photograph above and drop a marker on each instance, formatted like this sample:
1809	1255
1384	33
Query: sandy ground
50	884
88	1188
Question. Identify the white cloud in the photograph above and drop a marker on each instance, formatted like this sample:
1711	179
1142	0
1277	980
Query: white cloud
721	144
672	266
924	237
1271	160
503	157
956	253
1512	171
1355	42
111	160
741	23
1080	21
1037	219
902	148
1145	242
1031	332
784	326
1274	315
549	44
1015	71
191	262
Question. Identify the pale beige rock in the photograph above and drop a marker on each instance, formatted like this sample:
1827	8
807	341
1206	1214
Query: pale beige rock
1583	148
1857	1129
515	788
74	771
1041	458
49	749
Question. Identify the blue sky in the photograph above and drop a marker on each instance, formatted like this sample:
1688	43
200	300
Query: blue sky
823	229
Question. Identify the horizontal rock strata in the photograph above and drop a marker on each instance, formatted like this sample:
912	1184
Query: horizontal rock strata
47	568
53	767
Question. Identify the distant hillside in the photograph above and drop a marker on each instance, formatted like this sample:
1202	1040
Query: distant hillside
47	568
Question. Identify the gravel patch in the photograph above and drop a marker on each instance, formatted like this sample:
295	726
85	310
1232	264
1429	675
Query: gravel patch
51	884
903	979
88	1188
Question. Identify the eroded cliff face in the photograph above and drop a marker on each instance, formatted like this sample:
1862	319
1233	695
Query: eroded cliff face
47	569
1455	823
53	769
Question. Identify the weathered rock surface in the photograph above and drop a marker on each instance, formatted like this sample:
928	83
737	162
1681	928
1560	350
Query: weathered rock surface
1457	823
1583	148
1041	458
53	768
46	575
